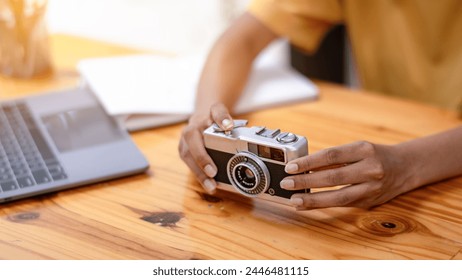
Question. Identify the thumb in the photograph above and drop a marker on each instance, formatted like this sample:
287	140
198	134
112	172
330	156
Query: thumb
220	115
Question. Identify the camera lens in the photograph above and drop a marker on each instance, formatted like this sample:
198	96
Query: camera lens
245	176
248	174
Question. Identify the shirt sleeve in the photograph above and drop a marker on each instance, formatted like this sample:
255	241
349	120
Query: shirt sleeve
303	22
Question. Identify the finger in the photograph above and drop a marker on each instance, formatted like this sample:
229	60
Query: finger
220	115
207	183
345	154
193	138
348	196
359	172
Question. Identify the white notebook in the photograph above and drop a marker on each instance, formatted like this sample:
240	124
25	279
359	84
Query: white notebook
150	90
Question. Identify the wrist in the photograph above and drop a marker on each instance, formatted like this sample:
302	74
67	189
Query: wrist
434	158
406	163
200	119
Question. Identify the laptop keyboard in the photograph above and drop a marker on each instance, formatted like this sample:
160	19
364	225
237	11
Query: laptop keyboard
26	160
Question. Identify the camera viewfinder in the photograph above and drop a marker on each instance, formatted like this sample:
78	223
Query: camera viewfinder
267	152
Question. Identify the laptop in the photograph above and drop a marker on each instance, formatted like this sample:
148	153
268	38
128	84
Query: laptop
61	140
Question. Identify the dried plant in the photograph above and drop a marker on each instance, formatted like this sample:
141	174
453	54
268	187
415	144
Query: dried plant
24	48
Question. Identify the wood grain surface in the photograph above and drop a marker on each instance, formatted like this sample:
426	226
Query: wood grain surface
164	214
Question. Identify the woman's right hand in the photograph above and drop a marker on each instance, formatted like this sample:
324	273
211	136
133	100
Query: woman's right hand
191	146
223	78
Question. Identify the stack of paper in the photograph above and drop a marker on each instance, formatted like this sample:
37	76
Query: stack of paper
151	90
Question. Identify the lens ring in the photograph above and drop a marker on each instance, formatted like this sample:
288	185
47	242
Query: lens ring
246	176
256	166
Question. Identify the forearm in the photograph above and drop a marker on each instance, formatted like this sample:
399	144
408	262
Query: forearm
435	157
224	75
229	63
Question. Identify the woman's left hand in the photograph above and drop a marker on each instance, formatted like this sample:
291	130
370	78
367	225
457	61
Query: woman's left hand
373	174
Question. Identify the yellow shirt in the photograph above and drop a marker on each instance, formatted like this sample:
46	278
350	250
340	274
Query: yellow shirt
408	48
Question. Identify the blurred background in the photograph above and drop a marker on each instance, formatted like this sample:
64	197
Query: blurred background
185	27
177	26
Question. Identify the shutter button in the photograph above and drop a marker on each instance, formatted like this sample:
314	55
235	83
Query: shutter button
286	138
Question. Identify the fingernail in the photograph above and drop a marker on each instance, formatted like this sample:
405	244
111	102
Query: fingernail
291	167
296	201
227	123
287	184
209	186
210	171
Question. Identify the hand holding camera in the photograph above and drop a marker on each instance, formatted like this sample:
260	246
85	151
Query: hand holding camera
269	152
372	173
191	147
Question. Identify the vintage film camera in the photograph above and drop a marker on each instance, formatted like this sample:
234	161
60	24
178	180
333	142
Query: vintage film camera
251	160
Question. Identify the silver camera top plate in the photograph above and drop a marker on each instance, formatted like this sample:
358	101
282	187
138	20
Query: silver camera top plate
238	139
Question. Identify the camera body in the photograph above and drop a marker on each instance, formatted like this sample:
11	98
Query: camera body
251	160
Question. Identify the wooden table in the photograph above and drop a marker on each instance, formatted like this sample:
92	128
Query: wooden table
164	214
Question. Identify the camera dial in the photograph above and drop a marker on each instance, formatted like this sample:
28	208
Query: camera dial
248	174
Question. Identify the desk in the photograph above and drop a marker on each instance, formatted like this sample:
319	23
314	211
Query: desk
164	214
